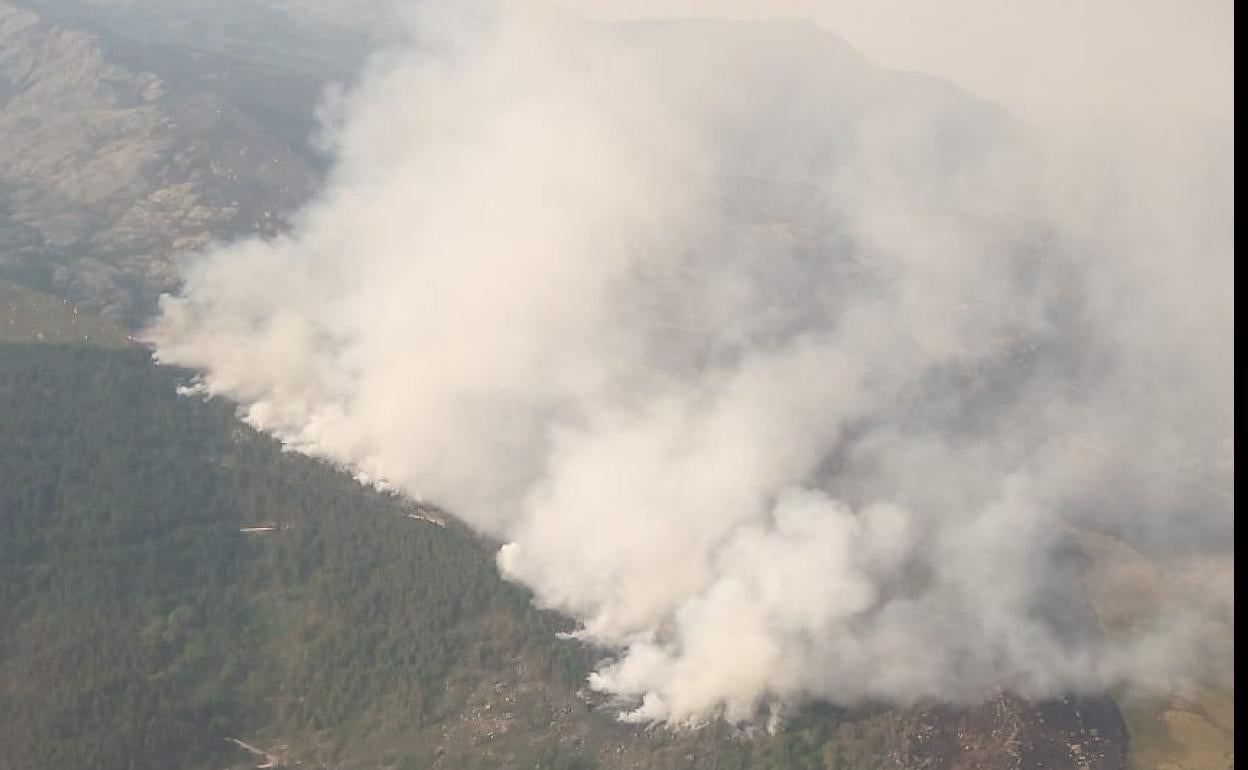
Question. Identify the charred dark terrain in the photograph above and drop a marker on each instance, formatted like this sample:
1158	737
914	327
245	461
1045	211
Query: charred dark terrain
143	626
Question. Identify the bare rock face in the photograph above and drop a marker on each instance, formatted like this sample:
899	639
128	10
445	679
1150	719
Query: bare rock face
117	158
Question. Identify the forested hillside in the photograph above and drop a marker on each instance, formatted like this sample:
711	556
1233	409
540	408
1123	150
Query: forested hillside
141	627
177	591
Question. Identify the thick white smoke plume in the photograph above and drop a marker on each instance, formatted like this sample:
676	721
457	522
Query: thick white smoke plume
786	375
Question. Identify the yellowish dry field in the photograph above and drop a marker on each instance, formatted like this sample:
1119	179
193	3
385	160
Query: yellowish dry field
1192	730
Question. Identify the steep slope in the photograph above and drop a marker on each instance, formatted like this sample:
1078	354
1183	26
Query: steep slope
142	626
116	159
321	37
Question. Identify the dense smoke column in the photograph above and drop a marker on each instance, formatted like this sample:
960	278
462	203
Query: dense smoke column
786	375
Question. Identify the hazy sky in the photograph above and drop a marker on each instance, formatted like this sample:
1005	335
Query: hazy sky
1054	62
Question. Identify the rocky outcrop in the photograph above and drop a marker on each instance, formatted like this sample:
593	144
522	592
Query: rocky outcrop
110	168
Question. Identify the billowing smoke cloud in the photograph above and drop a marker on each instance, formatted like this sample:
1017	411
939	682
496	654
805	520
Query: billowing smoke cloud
785	375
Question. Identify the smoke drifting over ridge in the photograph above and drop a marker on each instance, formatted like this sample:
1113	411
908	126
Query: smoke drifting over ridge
784	374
